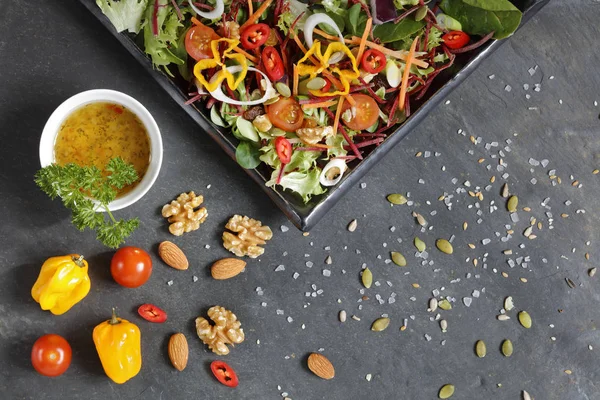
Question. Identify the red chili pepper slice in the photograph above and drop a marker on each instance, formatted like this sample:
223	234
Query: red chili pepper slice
373	61
272	64
255	36
152	313
283	147
456	39
224	373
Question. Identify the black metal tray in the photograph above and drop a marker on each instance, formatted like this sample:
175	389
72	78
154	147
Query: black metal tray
305	216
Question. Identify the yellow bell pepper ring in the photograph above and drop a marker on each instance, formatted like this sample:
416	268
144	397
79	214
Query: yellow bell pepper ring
62	283
219	60
119	346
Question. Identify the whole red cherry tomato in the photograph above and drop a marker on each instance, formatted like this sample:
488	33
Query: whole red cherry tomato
152	313
224	373
373	61
456	39
272	64
51	355
131	267
283	147
255	36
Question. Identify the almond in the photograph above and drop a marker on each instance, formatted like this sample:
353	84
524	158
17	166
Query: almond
173	256
227	268
321	366
178	351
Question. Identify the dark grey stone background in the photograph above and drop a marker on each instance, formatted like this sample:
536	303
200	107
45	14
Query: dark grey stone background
54	49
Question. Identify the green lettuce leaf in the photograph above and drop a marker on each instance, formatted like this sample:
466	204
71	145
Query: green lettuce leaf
159	47
124	14
435	38
400	4
390	32
480	17
292	8
306	184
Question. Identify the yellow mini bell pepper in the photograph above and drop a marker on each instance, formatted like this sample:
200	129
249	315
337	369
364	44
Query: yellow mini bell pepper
322	66
62	283
219	60
119	346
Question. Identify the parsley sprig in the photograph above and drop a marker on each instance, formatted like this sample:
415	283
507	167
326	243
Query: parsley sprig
77	186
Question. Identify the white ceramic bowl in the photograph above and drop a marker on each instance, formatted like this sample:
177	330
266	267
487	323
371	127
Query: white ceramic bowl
104	95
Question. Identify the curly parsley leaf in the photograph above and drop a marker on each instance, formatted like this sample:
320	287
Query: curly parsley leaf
78	186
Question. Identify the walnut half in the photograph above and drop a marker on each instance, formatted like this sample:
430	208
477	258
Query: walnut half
250	234
181	213
226	330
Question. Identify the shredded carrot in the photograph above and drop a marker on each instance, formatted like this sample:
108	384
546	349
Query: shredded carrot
363	40
324	104
255	16
406	75
250	7
350	100
334	81
295	84
196	22
245	54
304	50
396	54
318	145
338	114
330	37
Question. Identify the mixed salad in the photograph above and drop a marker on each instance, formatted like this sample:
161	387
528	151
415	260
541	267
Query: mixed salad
309	86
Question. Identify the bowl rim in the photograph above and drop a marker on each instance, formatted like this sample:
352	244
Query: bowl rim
66	108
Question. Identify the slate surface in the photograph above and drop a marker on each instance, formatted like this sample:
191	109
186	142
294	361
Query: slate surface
52	52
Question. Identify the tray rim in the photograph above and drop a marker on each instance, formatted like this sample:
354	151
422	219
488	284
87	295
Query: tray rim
305	218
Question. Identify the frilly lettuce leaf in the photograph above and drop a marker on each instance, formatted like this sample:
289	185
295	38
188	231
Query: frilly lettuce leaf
124	14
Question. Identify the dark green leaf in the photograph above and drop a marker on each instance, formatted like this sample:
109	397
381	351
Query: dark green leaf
247	155
480	17
390	32
338	19
356	20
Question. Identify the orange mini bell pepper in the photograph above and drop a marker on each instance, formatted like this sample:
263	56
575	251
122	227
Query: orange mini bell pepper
118	343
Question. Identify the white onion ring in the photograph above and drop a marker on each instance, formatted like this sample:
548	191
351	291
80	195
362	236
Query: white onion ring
217	12
311	23
335	163
219	95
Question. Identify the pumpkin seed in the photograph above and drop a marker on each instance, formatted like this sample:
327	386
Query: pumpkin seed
421	13
444	246
480	349
367	278
446	391
283	89
398	259
592	272
316	84
380	324
507	348
433	304
509	303
272	100
445	305
512	203
397	198
525	319
420	245
352	225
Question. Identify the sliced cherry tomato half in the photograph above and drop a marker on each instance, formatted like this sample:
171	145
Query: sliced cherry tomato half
272	64
283	147
224	373
286	114
255	36
197	41
367	112
456	39
373	61
51	355
152	313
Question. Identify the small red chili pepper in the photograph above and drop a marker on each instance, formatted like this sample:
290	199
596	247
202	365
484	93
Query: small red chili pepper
456	39
224	373
272	64
373	61
283	147
152	313
255	36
